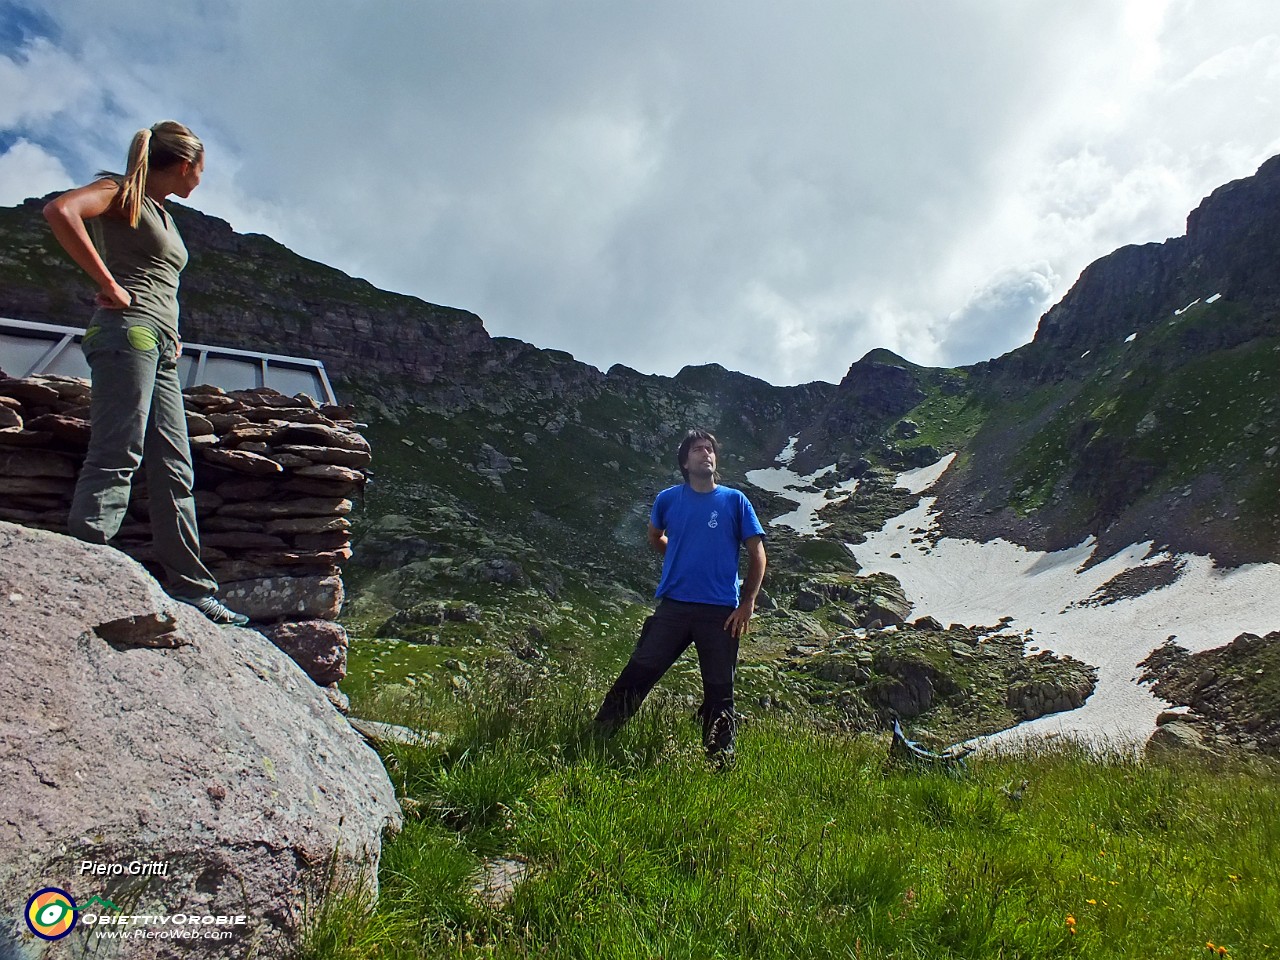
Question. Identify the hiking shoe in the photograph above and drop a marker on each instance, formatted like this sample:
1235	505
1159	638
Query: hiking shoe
723	760
212	608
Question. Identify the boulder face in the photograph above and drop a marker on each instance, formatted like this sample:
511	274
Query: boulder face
136	731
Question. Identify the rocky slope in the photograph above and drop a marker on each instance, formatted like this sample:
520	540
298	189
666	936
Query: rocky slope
1146	406
1232	694
247	291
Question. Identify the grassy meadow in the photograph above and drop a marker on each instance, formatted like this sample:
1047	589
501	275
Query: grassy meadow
811	846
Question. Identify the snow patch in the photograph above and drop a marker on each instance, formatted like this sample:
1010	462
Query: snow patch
788	452
1213	299
1065	601
786	482
804	518
962	581
922	478
1130	338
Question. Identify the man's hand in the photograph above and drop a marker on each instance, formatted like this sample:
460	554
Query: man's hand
736	625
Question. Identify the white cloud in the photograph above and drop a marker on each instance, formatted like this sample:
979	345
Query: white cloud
28	171
1245	61
779	189
38	82
999	315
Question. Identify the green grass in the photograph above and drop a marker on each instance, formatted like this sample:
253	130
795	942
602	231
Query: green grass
582	627
810	847
947	420
1171	414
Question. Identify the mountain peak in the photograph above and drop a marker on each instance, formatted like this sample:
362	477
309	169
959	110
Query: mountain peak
707	375
886	357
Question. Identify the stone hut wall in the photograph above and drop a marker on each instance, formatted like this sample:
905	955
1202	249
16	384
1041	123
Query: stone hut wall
275	478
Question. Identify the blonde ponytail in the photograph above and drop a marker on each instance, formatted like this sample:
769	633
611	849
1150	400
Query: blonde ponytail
166	143
134	184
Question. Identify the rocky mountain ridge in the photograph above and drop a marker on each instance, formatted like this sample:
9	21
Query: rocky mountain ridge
1146	405
1227	250
517	479
249	291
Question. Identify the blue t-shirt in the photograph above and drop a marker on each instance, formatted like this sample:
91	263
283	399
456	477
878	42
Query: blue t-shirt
704	532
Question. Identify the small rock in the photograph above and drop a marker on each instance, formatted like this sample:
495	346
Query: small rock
155	629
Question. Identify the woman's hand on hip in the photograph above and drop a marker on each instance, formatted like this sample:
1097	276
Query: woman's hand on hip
113	297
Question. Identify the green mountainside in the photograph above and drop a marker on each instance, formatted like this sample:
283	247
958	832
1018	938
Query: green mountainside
507	512
1170	436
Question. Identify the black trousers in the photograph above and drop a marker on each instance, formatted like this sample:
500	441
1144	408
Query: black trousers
673	626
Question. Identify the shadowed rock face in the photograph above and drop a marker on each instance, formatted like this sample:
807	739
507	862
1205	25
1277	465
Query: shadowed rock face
1229	248
211	752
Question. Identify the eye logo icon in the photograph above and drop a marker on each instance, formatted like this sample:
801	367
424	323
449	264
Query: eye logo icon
51	913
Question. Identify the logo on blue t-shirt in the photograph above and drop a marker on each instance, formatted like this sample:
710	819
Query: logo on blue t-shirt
715	519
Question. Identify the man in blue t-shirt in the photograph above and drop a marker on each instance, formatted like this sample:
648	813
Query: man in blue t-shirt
698	528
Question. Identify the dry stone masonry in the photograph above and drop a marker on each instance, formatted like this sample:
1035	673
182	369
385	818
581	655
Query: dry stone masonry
275	478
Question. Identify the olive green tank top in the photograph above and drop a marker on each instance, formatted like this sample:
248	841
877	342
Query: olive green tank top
146	260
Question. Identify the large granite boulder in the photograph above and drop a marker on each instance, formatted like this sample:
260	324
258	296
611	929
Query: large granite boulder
136	732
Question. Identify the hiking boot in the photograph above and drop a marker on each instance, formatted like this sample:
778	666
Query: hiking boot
718	736
212	608
723	760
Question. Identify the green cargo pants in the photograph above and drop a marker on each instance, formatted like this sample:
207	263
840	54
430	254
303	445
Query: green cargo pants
137	416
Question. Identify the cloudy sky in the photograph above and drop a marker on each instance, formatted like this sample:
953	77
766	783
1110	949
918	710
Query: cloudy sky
775	187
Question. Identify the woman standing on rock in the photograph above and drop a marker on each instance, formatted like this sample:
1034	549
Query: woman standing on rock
119	232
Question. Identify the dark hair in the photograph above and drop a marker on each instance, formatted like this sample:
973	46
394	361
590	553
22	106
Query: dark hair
682	455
